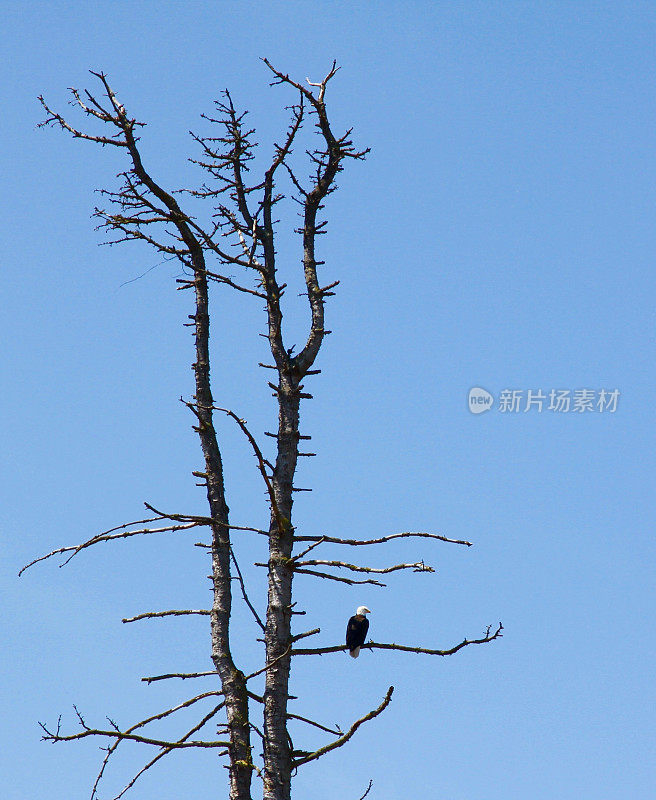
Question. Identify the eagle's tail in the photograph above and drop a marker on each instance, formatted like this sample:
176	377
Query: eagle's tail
355	652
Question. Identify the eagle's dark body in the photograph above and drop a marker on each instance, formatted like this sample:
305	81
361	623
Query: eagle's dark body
356	633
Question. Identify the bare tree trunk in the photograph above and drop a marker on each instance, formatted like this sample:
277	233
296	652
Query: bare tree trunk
277	753
232	679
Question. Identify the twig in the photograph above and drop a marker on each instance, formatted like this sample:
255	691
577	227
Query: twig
261	464
307	549
257	731
182	675
313	632
243	591
270	664
335	732
59	120
371	783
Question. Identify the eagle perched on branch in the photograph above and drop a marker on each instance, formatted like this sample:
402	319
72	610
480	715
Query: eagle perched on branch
356	631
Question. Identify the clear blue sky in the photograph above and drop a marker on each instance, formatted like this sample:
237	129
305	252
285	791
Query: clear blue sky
501	234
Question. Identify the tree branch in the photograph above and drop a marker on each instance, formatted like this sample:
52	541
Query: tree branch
405	648
107	536
320	540
182	675
299	636
335	732
343	739
173	613
419	566
328	163
117	734
56	119
270	664
381	540
371	783
142	723
260	461
243	591
338	578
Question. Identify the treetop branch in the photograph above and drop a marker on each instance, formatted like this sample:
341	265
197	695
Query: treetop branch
54	118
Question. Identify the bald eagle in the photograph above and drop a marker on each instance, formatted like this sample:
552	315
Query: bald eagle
356	631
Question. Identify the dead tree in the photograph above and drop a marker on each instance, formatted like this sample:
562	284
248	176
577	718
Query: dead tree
241	240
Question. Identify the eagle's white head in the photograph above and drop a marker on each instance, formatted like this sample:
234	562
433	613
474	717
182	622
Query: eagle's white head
363	610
